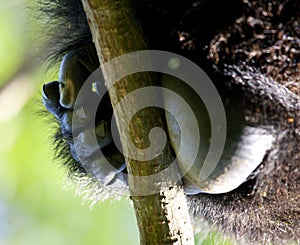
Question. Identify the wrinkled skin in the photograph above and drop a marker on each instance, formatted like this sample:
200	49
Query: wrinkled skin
251	52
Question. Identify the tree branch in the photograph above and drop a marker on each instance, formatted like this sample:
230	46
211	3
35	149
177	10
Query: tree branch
162	216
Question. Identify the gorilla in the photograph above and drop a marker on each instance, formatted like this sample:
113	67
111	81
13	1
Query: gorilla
250	49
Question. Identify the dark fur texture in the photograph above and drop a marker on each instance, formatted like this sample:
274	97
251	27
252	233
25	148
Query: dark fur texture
260	54
252	47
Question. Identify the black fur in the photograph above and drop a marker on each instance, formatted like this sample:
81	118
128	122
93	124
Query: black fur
252	47
66	33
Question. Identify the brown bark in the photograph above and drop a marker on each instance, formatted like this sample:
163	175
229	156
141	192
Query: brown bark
163	215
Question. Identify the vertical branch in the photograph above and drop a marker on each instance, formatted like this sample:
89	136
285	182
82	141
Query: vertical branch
163	216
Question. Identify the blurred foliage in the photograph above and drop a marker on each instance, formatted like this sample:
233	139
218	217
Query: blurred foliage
12	27
34	207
